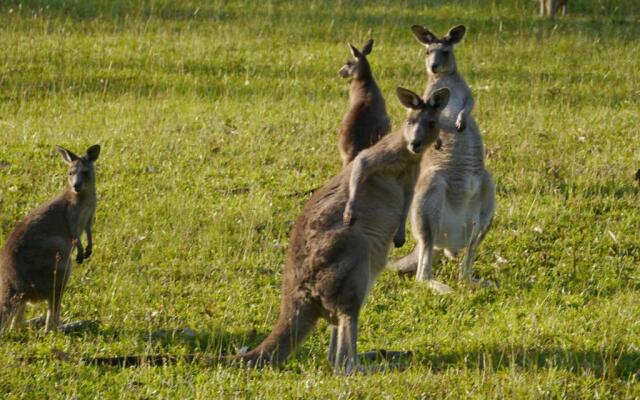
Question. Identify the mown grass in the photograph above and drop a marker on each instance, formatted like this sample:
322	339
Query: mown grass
217	118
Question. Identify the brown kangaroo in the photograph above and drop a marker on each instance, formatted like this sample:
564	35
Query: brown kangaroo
367	121
341	241
35	263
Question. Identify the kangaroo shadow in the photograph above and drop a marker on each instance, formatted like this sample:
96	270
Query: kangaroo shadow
217	341
603	364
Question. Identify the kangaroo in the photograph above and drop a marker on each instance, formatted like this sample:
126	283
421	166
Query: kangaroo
455	195
367	121
35	263
340	242
551	7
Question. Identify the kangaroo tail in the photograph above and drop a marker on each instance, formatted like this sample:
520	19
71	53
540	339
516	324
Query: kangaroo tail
291	330
406	264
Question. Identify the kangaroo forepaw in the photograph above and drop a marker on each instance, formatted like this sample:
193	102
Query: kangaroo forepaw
399	240
461	123
87	252
348	218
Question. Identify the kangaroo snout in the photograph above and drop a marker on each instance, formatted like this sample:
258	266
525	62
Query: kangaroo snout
434	67
415	146
77	187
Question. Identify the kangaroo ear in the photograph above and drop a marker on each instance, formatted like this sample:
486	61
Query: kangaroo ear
368	46
423	35
93	152
439	99
354	52
67	155
455	34
409	99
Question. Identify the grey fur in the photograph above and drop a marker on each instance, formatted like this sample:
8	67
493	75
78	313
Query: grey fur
340	243
454	198
35	262
549	8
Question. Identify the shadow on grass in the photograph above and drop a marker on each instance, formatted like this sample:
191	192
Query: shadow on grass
217	342
611	363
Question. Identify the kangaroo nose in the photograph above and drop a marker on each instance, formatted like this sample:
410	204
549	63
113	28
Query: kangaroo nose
77	187
434	66
415	145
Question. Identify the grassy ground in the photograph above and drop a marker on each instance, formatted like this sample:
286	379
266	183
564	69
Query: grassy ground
215	119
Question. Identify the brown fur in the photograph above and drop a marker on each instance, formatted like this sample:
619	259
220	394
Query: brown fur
367	121
35	262
340	242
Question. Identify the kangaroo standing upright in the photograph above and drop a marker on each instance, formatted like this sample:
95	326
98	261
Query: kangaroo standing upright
341	241
367	121
454	198
35	263
551	7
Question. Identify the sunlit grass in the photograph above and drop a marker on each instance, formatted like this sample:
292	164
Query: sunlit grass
216	119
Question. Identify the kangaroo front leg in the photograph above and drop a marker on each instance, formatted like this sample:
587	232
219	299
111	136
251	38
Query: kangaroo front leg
89	232
401	234
361	167
461	120
79	250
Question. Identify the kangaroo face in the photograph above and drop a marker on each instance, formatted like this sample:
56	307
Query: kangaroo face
358	66
421	128
81	175
439	58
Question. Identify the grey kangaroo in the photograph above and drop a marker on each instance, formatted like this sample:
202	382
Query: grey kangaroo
454	198
340	243
35	263
549	8
367	121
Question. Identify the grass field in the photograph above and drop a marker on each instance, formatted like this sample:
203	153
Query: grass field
216	119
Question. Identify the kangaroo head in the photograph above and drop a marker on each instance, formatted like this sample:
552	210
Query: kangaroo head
439	58
421	127
81	177
358	66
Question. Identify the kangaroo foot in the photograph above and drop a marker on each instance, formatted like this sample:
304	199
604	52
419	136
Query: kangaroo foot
37	322
480	283
439	288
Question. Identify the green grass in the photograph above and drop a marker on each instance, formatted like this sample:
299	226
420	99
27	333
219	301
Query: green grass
216	118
